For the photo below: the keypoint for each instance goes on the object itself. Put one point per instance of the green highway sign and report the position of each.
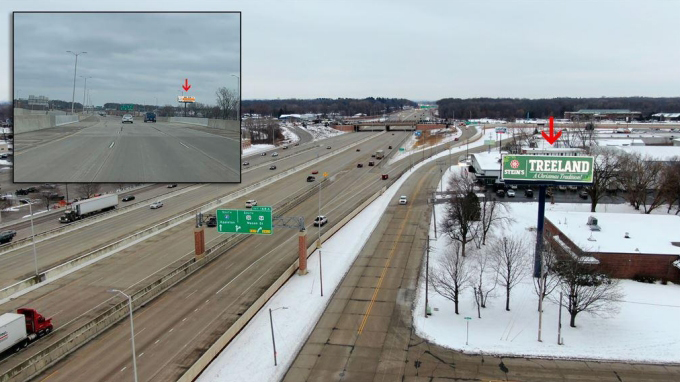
(547, 169)
(127, 107)
(401, 149)
(489, 142)
(257, 220)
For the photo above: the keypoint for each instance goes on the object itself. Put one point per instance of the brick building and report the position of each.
(624, 245)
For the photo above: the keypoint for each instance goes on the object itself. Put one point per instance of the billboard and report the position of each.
(186, 99)
(547, 169)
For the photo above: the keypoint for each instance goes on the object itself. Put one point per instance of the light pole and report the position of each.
(318, 243)
(75, 70)
(84, 91)
(35, 253)
(132, 329)
(271, 324)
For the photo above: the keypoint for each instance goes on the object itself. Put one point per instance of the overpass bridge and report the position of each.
(391, 126)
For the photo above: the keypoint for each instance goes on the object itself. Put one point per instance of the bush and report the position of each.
(644, 278)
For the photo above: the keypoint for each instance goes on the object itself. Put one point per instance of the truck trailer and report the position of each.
(84, 208)
(19, 329)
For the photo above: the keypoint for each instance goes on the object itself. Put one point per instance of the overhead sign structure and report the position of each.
(186, 99)
(127, 107)
(257, 220)
(547, 169)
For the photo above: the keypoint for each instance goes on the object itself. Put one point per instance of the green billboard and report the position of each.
(547, 169)
(257, 220)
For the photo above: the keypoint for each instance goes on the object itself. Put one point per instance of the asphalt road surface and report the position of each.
(112, 152)
(366, 332)
(174, 328)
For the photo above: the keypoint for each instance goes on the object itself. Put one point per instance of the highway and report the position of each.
(80, 296)
(366, 332)
(112, 152)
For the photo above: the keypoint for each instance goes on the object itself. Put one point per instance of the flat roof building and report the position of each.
(600, 114)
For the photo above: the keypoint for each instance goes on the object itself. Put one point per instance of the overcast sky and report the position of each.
(131, 57)
(421, 50)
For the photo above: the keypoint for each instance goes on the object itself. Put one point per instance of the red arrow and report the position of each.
(552, 137)
(186, 85)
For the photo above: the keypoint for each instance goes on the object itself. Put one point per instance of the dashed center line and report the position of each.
(112, 143)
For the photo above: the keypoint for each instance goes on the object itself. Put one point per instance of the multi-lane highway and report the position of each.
(110, 151)
(229, 284)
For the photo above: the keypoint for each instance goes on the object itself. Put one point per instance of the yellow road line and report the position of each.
(48, 377)
(389, 259)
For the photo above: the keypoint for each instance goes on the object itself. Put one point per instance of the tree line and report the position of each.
(325, 106)
(511, 108)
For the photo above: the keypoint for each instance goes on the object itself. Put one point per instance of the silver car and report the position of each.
(127, 118)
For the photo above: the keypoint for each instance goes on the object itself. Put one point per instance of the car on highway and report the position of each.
(315, 172)
(263, 154)
(358, 150)
(389, 147)
(360, 165)
(371, 163)
(285, 147)
(384, 176)
(320, 221)
(251, 203)
(172, 185)
(156, 205)
(275, 154)
(511, 193)
(7, 236)
(128, 198)
(211, 220)
(372, 155)
(246, 163)
(296, 144)
(127, 118)
(402, 199)
(150, 117)
(272, 167)
(311, 178)
(529, 193)
(455, 139)
(328, 147)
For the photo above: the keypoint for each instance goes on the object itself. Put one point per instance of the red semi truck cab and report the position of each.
(36, 323)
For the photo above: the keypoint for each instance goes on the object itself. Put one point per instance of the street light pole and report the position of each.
(84, 90)
(35, 254)
(238, 94)
(75, 70)
(132, 329)
(271, 324)
(319, 244)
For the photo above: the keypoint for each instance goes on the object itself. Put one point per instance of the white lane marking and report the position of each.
(136, 334)
(170, 331)
(123, 368)
(157, 341)
(184, 319)
(184, 145)
(189, 295)
(140, 356)
(207, 301)
(112, 143)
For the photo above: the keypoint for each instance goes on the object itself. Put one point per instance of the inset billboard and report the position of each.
(547, 169)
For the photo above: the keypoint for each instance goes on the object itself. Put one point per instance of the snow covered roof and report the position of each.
(667, 115)
(648, 234)
(488, 161)
(581, 259)
(620, 142)
(663, 153)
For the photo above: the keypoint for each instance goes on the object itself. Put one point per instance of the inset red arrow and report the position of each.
(186, 85)
(552, 138)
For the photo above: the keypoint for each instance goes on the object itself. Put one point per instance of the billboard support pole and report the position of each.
(539, 231)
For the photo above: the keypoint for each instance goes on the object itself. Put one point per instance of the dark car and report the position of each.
(358, 149)
(21, 191)
(501, 192)
(328, 147)
(583, 194)
(311, 178)
(150, 117)
(371, 163)
(211, 221)
(172, 185)
(263, 154)
(246, 163)
(128, 198)
(272, 167)
(360, 165)
(389, 147)
(7, 236)
(529, 193)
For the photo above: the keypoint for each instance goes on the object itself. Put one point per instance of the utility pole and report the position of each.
(559, 325)
(75, 70)
(318, 243)
(84, 91)
(427, 276)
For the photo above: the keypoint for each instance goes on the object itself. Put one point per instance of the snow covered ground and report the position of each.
(289, 134)
(250, 356)
(256, 149)
(319, 131)
(643, 330)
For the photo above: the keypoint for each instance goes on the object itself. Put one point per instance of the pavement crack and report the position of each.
(617, 376)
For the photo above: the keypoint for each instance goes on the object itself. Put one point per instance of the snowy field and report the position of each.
(250, 356)
(319, 131)
(645, 329)
(289, 134)
(256, 149)
(410, 149)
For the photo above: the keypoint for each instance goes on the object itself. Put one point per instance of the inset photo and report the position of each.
(127, 97)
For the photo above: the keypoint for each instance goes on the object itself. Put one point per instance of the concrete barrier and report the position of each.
(31, 122)
(60, 120)
(224, 124)
(189, 120)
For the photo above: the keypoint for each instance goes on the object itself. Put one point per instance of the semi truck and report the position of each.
(19, 329)
(380, 154)
(87, 207)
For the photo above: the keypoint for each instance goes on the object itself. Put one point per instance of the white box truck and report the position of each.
(84, 208)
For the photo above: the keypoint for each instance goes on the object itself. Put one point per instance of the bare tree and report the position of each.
(549, 280)
(586, 289)
(462, 212)
(491, 214)
(483, 278)
(451, 276)
(606, 167)
(642, 176)
(510, 263)
(88, 190)
(227, 101)
(670, 184)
